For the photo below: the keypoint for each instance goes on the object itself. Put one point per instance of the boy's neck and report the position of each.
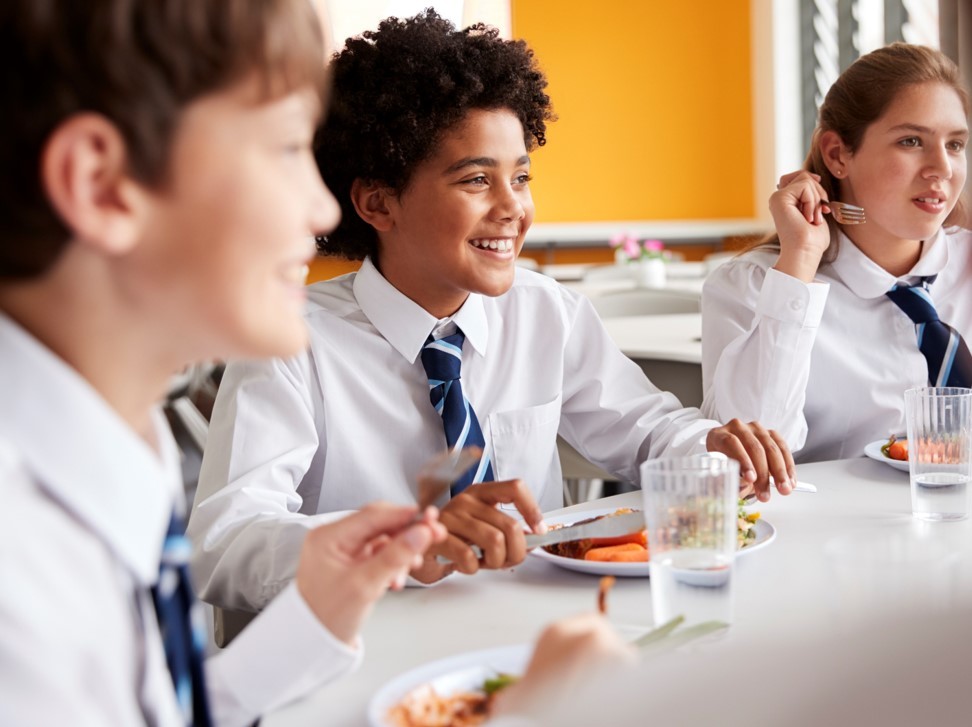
(104, 341)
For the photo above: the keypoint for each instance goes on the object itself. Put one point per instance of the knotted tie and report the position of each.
(949, 360)
(182, 625)
(442, 359)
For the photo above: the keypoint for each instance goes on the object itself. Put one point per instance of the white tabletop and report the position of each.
(673, 337)
(784, 585)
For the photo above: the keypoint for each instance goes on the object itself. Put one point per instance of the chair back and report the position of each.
(646, 301)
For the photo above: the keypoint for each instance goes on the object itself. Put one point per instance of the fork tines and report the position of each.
(847, 214)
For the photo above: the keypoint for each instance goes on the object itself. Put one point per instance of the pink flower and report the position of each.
(631, 248)
(617, 240)
(654, 245)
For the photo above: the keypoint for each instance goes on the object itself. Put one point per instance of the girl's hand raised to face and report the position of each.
(798, 209)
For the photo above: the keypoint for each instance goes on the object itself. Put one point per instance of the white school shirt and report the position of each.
(350, 421)
(827, 363)
(84, 508)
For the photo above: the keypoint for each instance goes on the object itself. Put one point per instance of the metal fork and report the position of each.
(847, 214)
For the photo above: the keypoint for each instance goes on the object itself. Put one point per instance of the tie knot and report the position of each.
(915, 301)
(442, 358)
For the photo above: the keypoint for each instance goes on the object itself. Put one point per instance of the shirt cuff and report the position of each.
(282, 656)
(787, 299)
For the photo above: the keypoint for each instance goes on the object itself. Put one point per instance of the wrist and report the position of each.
(799, 264)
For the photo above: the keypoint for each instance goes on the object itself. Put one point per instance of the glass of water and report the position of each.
(939, 451)
(691, 506)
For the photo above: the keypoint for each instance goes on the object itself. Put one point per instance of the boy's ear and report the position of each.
(371, 203)
(835, 153)
(84, 174)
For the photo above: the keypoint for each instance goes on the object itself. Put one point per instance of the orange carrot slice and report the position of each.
(624, 553)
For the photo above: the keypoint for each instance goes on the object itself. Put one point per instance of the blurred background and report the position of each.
(676, 119)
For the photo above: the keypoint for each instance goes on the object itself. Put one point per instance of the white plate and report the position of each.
(765, 533)
(873, 450)
(461, 673)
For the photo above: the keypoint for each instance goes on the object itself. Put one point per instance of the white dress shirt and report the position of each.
(827, 363)
(86, 504)
(351, 422)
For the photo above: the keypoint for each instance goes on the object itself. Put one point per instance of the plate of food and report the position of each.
(456, 691)
(621, 556)
(892, 451)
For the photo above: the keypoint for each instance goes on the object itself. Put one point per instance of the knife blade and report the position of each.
(607, 526)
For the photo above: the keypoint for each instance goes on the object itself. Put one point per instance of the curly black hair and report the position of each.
(398, 89)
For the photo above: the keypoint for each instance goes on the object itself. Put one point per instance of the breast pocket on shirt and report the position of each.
(524, 443)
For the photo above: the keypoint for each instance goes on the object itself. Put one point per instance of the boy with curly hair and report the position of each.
(158, 194)
(428, 150)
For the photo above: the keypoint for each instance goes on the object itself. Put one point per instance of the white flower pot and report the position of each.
(649, 273)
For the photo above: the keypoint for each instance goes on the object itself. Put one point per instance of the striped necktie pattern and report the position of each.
(442, 359)
(182, 624)
(948, 357)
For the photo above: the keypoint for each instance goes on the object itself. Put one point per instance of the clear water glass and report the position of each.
(939, 423)
(690, 507)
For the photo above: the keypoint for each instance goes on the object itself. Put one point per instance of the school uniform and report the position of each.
(86, 505)
(294, 442)
(827, 363)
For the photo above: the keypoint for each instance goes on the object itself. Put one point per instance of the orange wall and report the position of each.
(653, 100)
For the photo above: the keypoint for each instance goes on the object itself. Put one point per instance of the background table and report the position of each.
(784, 585)
(667, 347)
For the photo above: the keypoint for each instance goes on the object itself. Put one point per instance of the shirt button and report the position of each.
(796, 304)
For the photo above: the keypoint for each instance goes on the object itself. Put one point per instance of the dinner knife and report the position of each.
(607, 526)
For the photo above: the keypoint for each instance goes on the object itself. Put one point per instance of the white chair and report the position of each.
(583, 480)
(646, 301)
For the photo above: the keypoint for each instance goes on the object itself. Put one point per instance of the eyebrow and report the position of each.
(482, 162)
(925, 129)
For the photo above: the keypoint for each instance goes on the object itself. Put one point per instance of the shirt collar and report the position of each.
(83, 455)
(404, 323)
(867, 279)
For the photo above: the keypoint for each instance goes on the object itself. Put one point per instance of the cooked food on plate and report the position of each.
(896, 449)
(633, 548)
(424, 707)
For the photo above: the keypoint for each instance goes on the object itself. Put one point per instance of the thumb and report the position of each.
(371, 522)
(398, 555)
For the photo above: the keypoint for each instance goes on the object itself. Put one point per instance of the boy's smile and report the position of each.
(460, 222)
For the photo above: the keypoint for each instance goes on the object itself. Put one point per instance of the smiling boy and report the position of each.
(158, 193)
(432, 131)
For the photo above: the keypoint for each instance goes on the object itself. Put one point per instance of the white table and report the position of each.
(672, 337)
(785, 585)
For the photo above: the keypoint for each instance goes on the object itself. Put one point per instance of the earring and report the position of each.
(839, 173)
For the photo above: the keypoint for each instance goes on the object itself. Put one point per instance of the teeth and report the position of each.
(931, 200)
(500, 245)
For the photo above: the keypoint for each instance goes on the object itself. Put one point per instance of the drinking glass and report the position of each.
(939, 451)
(691, 506)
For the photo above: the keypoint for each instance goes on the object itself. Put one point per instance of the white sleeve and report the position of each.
(248, 521)
(611, 413)
(283, 655)
(758, 330)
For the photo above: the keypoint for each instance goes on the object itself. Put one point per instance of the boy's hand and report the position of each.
(568, 654)
(346, 566)
(472, 518)
(761, 454)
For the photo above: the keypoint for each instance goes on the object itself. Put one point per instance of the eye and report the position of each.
(478, 181)
(956, 146)
(522, 179)
(910, 142)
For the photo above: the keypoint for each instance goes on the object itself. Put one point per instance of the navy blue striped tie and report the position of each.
(949, 360)
(181, 621)
(442, 359)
